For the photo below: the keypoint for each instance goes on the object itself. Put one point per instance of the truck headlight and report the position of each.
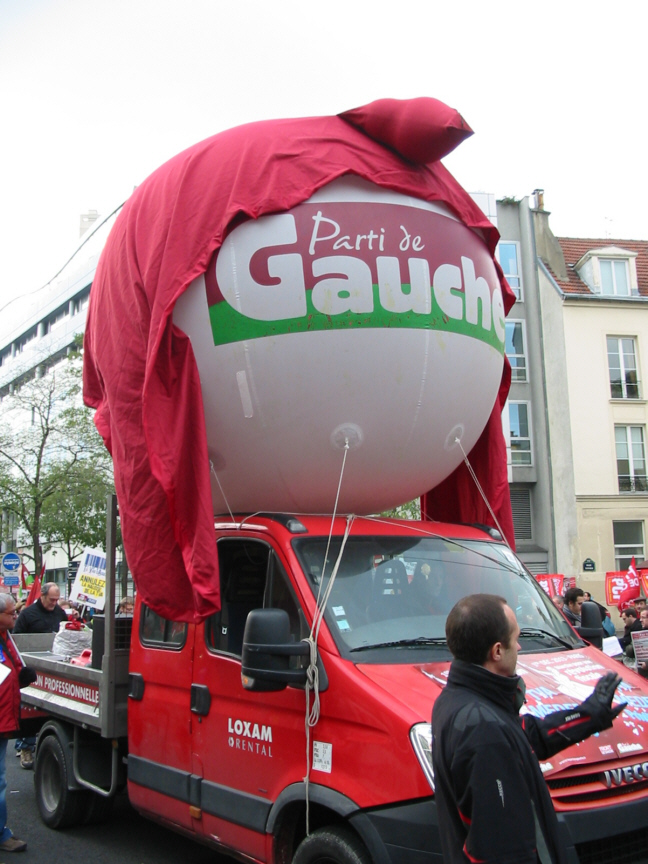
(421, 738)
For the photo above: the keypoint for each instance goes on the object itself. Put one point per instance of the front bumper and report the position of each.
(409, 833)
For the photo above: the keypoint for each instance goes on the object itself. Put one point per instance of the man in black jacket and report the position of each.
(493, 803)
(573, 604)
(631, 624)
(43, 616)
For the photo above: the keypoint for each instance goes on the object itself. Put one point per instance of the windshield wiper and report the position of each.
(536, 631)
(404, 643)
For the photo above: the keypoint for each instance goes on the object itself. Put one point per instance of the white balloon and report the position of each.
(363, 327)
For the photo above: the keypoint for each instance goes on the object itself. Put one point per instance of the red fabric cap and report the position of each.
(422, 130)
(139, 369)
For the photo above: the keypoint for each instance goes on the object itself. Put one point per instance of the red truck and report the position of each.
(305, 316)
(214, 732)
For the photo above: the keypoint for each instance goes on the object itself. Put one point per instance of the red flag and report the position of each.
(558, 584)
(633, 587)
(35, 590)
(24, 576)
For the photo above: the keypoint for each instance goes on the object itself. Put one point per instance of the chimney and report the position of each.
(547, 246)
(86, 221)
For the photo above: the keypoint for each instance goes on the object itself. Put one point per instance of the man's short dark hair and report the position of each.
(631, 611)
(474, 625)
(572, 595)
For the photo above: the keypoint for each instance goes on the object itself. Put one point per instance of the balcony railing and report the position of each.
(628, 389)
(636, 483)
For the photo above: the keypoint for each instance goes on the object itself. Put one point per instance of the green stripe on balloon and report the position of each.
(230, 326)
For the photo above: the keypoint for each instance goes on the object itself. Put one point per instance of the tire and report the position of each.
(333, 845)
(59, 807)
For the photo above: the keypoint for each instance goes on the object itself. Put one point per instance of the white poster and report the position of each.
(89, 587)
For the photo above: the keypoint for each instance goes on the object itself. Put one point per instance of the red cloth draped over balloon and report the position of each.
(140, 373)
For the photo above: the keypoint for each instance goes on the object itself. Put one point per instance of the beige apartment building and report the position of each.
(578, 413)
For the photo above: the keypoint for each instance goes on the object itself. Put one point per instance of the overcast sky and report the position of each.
(95, 94)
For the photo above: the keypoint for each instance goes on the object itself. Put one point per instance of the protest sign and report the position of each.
(89, 586)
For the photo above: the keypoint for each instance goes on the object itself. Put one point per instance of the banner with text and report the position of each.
(552, 583)
(616, 582)
(89, 587)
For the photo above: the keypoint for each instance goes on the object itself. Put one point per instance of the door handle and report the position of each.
(200, 699)
(135, 686)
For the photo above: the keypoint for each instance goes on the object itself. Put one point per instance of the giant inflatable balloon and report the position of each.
(287, 310)
(361, 320)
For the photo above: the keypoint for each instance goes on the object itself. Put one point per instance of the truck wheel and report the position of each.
(59, 806)
(333, 845)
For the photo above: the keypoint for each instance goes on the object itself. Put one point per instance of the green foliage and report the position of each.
(411, 510)
(53, 465)
(75, 517)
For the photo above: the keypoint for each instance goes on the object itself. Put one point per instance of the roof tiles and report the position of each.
(575, 247)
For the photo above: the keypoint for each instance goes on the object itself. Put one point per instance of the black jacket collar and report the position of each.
(500, 689)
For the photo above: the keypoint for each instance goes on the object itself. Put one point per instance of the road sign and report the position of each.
(10, 563)
(10, 581)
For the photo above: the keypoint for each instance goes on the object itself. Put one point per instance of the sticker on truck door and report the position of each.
(322, 756)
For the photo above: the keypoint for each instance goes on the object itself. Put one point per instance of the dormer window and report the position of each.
(609, 271)
(614, 277)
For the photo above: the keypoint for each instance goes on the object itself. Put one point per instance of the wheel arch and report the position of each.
(327, 807)
(93, 757)
(64, 733)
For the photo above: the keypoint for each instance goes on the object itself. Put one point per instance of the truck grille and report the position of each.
(580, 787)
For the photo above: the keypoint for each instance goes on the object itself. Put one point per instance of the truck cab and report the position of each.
(244, 736)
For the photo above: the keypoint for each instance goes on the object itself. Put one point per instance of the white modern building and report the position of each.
(41, 332)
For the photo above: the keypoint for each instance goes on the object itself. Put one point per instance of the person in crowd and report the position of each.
(631, 624)
(572, 606)
(559, 601)
(640, 604)
(43, 616)
(606, 621)
(126, 606)
(17, 676)
(70, 611)
(428, 590)
(493, 803)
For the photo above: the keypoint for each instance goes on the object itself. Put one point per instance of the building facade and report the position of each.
(38, 336)
(577, 339)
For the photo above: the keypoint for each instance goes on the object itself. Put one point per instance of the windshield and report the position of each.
(395, 593)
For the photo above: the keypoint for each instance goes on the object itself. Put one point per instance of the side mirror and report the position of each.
(267, 649)
(591, 627)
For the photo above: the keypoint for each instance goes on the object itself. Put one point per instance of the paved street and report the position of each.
(126, 837)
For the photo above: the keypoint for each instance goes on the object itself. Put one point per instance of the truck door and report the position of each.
(246, 746)
(159, 719)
